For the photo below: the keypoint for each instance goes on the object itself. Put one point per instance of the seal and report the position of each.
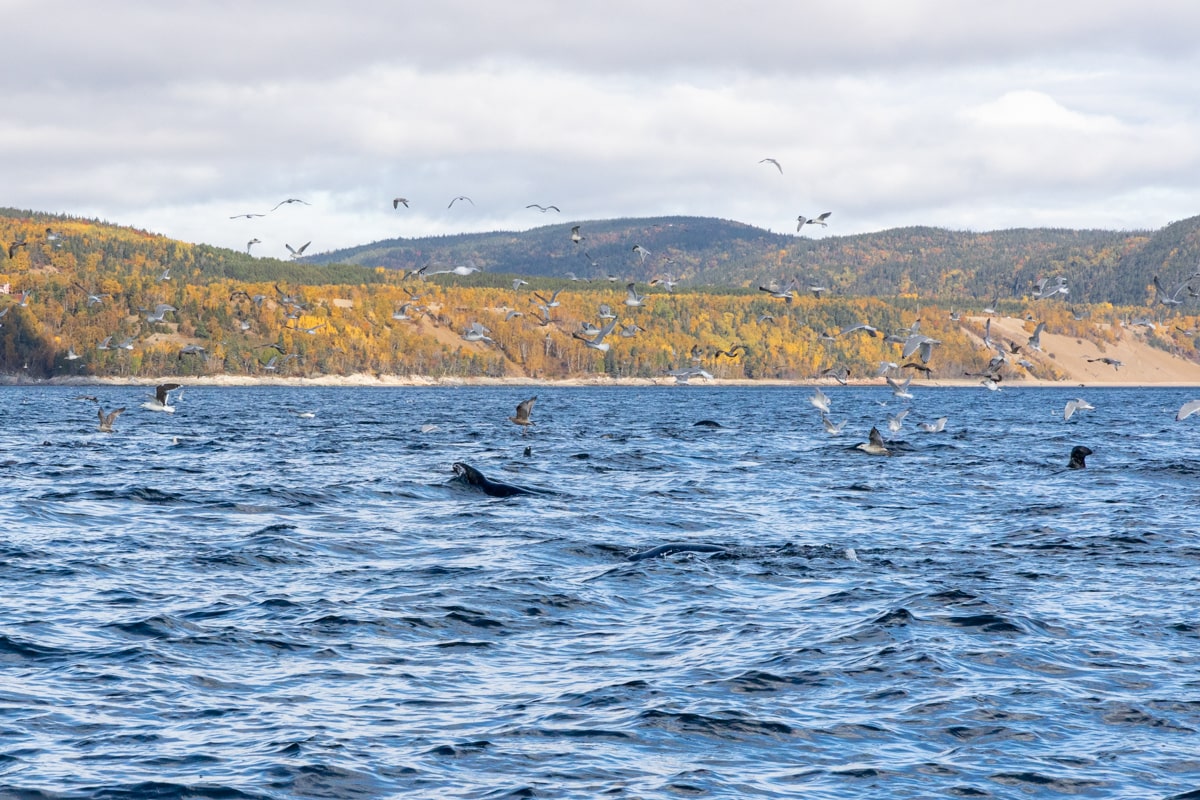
(1078, 454)
(473, 477)
(676, 547)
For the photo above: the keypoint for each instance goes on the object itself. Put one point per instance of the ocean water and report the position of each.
(237, 602)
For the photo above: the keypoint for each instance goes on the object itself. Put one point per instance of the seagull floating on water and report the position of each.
(874, 444)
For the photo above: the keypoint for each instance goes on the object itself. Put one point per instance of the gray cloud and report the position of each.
(960, 114)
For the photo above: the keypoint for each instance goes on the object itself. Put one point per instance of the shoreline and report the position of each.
(363, 380)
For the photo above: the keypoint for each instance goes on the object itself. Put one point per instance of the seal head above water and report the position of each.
(1078, 454)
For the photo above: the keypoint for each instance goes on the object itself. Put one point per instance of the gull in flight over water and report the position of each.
(1079, 404)
(106, 420)
(524, 409)
(820, 400)
(772, 161)
(162, 397)
(937, 426)
(1187, 409)
(831, 427)
(874, 444)
(543, 209)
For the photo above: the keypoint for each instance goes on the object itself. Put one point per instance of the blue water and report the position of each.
(234, 602)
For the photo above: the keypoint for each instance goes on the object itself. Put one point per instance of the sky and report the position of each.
(963, 114)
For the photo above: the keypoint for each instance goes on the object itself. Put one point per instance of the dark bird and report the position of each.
(524, 409)
(543, 209)
(576, 237)
(733, 352)
(772, 161)
(1112, 362)
(12, 248)
(400, 201)
(461, 197)
(1078, 454)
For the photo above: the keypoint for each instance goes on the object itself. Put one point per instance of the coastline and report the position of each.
(363, 380)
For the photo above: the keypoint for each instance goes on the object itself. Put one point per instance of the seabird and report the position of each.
(543, 209)
(1035, 341)
(106, 420)
(1112, 362)
(461, 197)
(290, 200)
(772, 161)
(161, 398)
(1078, 454)
(831, 427)
(524, 408)
(399, 201)
(820, 400)
(576, 237)
(477, 333)
(159, 311)
(632, 298)
(251, 243)
(597, 342)
(1079, 404)
(641, 251)
(297, 251)
(900, 389)
(874, 444)
(896, 421)
(1187, 409)
(247, 216)
(937, 426)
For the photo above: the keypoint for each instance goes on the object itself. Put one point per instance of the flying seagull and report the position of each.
(597, 342)
(106, 420)
(543, 209)
(820, 400)
(461, 197)
(1187, 409)
(297, 251)
(162, 398)
(1112, 362)
(641, 251)
(874, 444)
(290, 200)
(251, 243)
(576, 236)
(772, 161)
(247, 216)
(632, 298)
(802, 220)
(399, 201)
(1078, 404)
(524, 408)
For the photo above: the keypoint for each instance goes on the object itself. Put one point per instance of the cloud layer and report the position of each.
(958, 114)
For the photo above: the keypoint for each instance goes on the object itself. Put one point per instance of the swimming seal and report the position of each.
(1078, 454)
(676, 547)
(473, 477)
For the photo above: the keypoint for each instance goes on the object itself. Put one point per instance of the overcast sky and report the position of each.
(955, 113)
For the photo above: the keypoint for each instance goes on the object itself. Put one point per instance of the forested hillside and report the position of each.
(958, 267)
(88, 298)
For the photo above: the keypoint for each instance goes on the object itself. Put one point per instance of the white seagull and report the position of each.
(161, 401)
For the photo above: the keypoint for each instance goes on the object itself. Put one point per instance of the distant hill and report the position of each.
(954, 266)
(87, 298)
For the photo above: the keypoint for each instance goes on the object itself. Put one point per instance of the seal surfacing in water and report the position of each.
(676, 547)
(474, 477)
(1078, 454)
